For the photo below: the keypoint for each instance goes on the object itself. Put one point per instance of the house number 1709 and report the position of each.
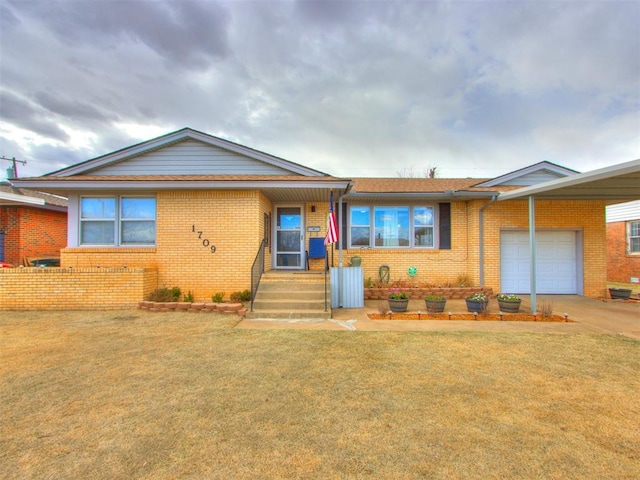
(205, 241)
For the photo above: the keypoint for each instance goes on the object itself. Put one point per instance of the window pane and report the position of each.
(423, 216)
(392, 226)
(98, 208)
(423, 226)
(138, 233)
(360, 236)
(288, 241)
(97, 233)
(424, 237)
(138, 208)
(360, 216)
(635, 229)
(289, 218)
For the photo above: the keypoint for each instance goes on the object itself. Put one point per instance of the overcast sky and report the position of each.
(368, 88)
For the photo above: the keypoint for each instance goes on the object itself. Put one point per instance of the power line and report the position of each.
(12, 172)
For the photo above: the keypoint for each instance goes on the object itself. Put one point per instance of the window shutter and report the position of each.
(445, 226)
(345, 211)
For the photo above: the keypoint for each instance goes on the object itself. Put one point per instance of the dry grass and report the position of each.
(170, 395)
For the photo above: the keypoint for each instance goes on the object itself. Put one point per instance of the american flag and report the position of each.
(332, 226)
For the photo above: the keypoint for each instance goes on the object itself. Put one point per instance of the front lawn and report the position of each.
(177, 395)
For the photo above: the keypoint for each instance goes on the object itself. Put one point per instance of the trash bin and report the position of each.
(356, 261)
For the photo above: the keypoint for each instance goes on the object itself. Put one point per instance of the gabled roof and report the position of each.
(168, 139)
(10, 195)
(619, 182)
(530, 175)
(388, 189)
(408, 185)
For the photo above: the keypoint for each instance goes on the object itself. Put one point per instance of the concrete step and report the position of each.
(299, 294)
(289, 314)
(295, 277)
(291, 287)
(285, 304)
(292, 296)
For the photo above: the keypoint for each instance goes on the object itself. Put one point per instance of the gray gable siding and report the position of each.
(533, 178)
(191, 157)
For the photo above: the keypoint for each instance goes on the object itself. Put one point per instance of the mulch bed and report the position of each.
(506, 317)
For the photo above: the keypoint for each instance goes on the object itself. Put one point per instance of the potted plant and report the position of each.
(398, 301)
(477, 302)
(509, 303)
(435, 303)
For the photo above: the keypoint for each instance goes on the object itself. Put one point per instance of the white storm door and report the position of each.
(289, 235)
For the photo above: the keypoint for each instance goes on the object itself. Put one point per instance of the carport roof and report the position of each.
(619, 183)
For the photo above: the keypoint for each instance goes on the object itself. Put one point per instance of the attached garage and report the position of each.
(558, 263)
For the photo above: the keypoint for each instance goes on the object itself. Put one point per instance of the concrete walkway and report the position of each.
(612, 317)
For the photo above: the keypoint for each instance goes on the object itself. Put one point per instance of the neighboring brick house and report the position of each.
(623, 242)
(194, 209)
(32, 224)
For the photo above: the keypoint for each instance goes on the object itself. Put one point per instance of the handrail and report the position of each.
(326, 267)
(257, 269)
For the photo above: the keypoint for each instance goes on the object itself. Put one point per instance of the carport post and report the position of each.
(532, 247)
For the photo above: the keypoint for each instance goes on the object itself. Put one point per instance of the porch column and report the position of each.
(532, 247)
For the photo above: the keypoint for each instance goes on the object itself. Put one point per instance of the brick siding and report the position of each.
(233, 222)
(32, 232)
(438, 267)
(621, 266)
(69, 288)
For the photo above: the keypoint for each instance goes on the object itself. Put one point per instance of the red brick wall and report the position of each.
(620, 265)
(32, 232)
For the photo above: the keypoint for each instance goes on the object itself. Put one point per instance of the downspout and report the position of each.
(340, 233)
(481, 233)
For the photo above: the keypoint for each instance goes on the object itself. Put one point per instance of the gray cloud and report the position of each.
(25, 115)
(350, 88)
(187, 33)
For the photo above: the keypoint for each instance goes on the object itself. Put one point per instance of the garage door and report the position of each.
(556, 257)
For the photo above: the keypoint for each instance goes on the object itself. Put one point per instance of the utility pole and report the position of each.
(12, 172)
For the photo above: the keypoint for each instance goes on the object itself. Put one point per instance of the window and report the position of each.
(360, 226)
(423, 226)
(393, 226)
(633, 236)
(122, 221)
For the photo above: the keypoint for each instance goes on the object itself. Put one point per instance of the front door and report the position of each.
(289, 235)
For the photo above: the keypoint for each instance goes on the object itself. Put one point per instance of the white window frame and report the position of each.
(412, 226)
(118, 220)
(630, 237)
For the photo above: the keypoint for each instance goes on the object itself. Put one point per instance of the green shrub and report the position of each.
(176, 293)
(164, 294)
(218, 297)
(188, 297)
(243, 296)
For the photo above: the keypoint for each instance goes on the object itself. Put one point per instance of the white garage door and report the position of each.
(556, 258)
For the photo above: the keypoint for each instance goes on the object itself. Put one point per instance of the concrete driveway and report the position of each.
(612, 317)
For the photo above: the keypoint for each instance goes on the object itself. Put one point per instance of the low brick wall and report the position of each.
(75, 288)
(417, 293)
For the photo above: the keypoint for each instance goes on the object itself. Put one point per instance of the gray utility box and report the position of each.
(352, 287)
